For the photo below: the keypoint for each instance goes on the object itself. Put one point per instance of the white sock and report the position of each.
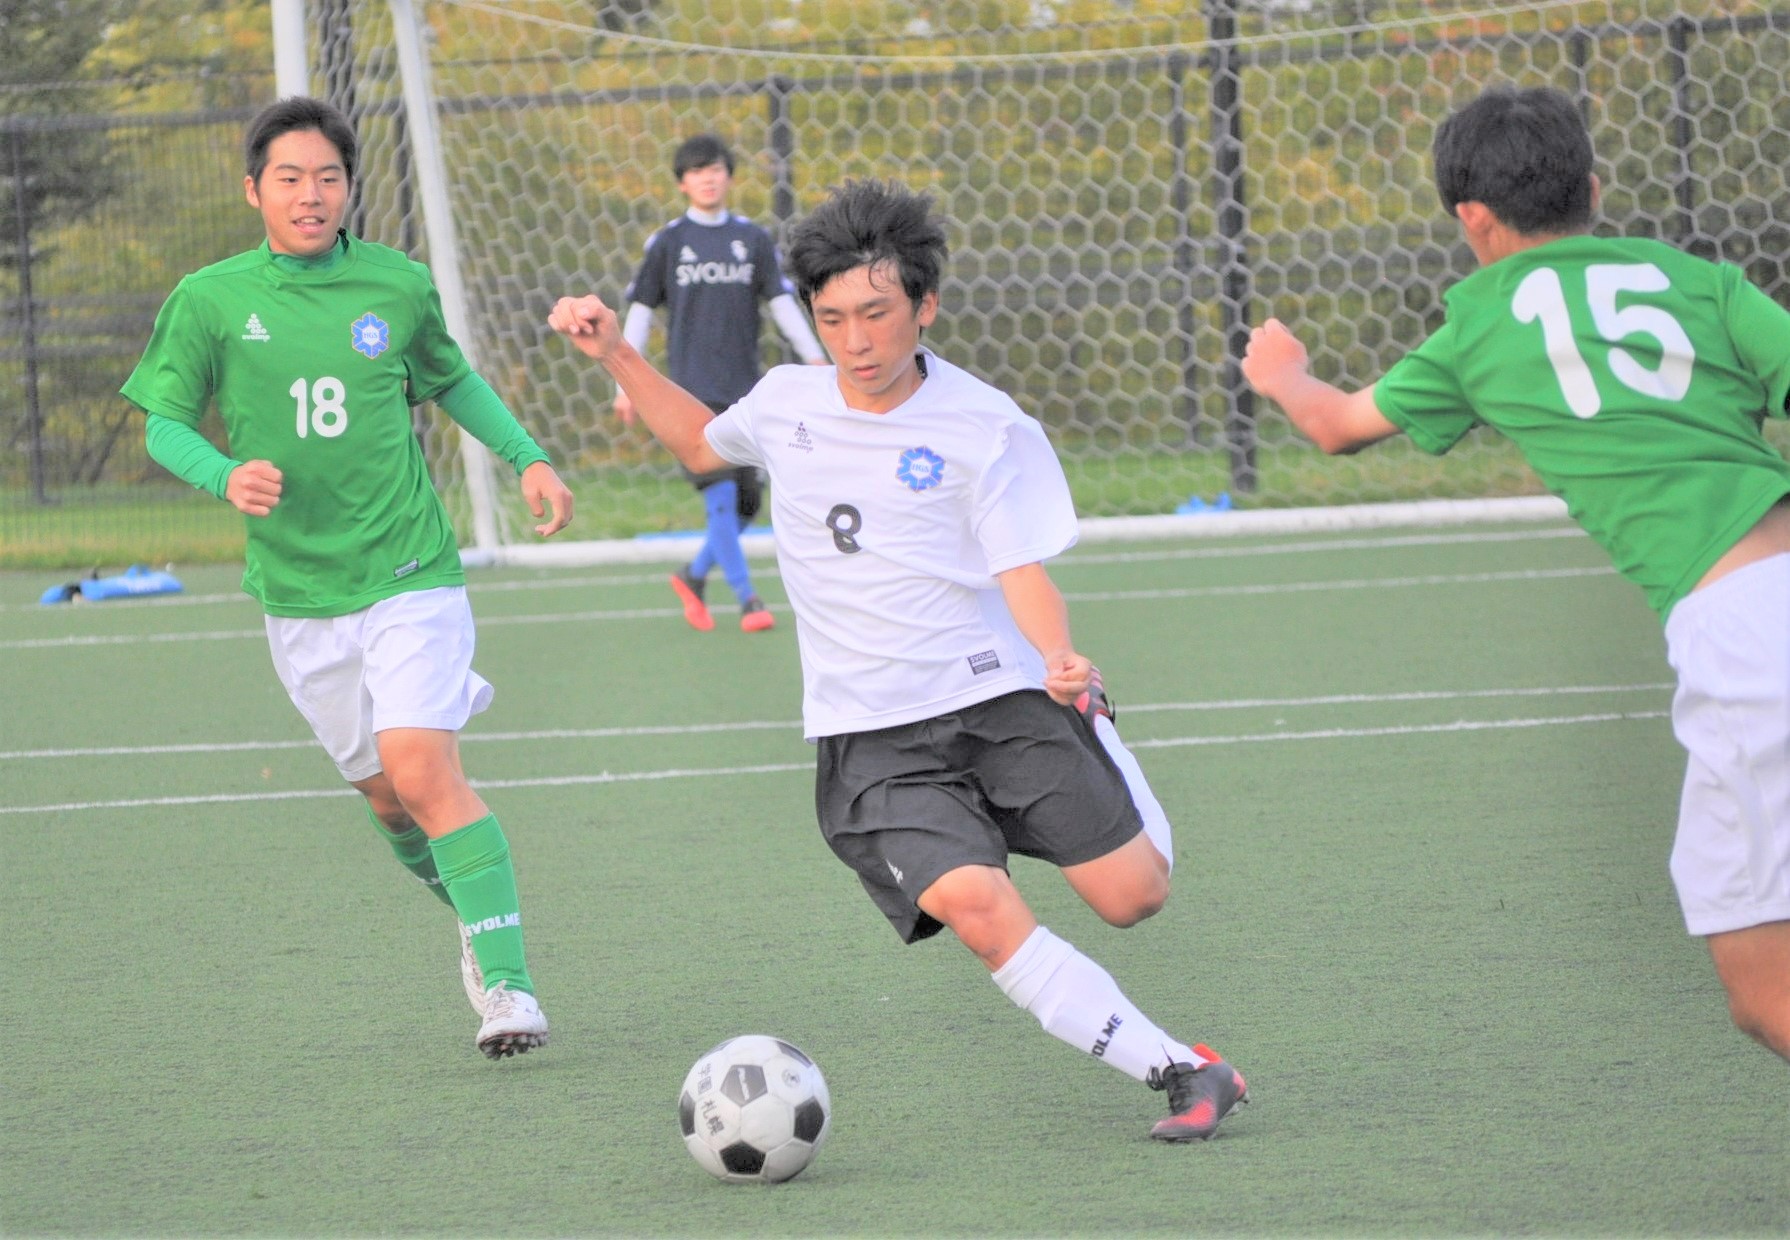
(1156, 824)
(1078, 1001)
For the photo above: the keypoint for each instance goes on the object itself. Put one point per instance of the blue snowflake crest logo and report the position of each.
(920, 469)
(371, 336)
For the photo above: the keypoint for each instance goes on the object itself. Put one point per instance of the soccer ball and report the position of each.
(754, 1109)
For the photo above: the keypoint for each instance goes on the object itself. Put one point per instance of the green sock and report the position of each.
(474, 863)
(412, 849)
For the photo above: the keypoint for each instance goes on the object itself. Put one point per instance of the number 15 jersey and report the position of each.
(1633, 377)
(314, 366)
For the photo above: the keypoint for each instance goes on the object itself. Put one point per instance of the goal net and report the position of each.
(1130, 184)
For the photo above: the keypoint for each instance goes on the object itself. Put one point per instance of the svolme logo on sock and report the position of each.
(1106, 1036)
(506, 922)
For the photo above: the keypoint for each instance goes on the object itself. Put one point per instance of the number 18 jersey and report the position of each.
(314, 366)
(1633, 377)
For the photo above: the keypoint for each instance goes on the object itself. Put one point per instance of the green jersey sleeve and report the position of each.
(1423, 396)
(176, 376)
(1761, 332)
(433, 363)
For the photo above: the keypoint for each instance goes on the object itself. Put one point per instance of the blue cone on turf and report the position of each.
(1196, 504)
(131, 583)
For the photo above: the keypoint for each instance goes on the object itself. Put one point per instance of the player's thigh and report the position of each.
(892, 811)
(321, 664)
(419, 648)
(1048, 781)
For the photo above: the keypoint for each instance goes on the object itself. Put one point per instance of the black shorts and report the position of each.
(904, 806)
(750, 482)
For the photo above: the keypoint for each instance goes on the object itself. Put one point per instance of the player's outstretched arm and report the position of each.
(1043, 619)
(547, 497)
(675, 417)
(1276, 365)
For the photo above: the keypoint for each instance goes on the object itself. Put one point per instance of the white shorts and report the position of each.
(404, 662)
(1730, 645)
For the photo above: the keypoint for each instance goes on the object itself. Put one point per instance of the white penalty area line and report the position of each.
(607, 777)
(794, 726)
(1101, 596)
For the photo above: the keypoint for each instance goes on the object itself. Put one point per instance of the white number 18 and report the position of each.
(1540, 296)
(322, 411)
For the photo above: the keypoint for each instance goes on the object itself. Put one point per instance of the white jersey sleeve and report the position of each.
(1023, 513)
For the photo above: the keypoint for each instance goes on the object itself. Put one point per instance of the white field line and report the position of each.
(1099, 596)
(565, 581)
(608, 777)
(794, 726)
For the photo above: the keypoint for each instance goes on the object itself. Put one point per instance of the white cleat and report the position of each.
(471, 977)
(514, 1023)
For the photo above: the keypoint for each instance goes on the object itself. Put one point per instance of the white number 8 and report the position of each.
(323, 412)
(1540, 296)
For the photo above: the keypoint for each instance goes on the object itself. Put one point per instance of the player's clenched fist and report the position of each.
(1273, 352)
(587, 323)
(254, 488)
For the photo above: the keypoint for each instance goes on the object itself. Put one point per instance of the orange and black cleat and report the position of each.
(1199, 1096)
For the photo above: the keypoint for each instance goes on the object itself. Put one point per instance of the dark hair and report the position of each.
(292, 115)
(1523, 153)
(699, 152)
(863, 224)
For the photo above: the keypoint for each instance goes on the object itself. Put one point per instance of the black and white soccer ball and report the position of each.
(754, 1109)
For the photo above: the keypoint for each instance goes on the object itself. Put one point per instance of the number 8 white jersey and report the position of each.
(890, 529)
(1634, 379)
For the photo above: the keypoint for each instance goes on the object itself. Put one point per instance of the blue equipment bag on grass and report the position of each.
(133, 581)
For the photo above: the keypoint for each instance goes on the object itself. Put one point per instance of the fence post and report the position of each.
(782, 136)
(1578, 50)
(28, 317)
(1678, 63)
(1233, 256)
(1181, 203)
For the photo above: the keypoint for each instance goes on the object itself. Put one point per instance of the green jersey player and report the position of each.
(314, 347)
(1635, 380)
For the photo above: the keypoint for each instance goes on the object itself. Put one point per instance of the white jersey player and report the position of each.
(955, 722)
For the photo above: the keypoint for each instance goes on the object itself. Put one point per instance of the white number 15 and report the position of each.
(1540, 296)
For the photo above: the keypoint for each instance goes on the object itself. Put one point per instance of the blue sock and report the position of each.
(722, 546)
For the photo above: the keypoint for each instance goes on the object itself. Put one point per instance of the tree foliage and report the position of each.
(50, 173)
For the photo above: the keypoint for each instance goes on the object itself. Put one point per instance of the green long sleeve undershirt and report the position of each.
(191, 457)
(187, 454)
(473, 404)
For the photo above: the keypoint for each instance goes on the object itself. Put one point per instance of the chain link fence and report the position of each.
(1130, 185)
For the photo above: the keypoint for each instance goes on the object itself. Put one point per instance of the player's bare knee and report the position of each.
(1130, 907)
(384, 805)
